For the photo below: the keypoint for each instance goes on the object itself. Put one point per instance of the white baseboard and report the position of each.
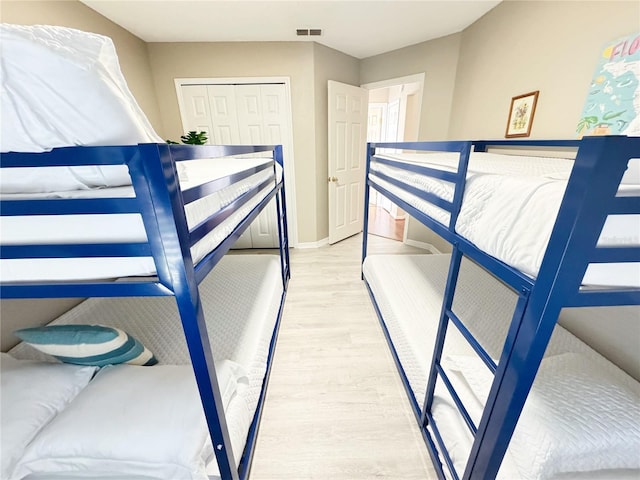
(319, 243)
(423, 245)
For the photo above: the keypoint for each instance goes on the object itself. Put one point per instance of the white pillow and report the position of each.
(131, 420)
(576, 418)
(63, 87)
(31, 394)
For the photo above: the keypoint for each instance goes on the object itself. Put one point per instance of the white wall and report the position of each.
(523, 46)
(518, 47)
(132, 52)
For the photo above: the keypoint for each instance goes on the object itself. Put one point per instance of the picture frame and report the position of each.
(521, 112)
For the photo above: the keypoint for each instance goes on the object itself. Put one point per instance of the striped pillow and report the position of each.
(87, 345)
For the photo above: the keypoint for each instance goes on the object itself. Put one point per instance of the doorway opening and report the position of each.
(393, 116)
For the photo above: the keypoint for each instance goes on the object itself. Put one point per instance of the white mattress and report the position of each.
(409, 289)
(240, 298)
(57, 229)
(509, 208)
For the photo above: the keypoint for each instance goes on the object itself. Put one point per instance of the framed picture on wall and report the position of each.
(523, 107)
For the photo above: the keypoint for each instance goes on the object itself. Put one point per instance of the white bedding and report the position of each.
(240, 302)
(408, 291)
(510, 205)
(63, 87)
(115, 228)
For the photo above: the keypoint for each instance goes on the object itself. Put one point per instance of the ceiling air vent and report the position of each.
(314, 32)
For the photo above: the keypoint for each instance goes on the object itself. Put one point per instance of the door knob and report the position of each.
(332, 179)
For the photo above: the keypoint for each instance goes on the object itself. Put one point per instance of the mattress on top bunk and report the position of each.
(510, 205)
(408, 290)
(241, 300)
(58, 229)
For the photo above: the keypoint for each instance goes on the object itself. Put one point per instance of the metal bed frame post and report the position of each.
(371, 151)
(283, 229)
(244, 466)
(177, 273)
(592, 190)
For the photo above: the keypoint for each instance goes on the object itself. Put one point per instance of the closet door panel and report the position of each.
(250, 122)
(224, 116)
(198, 113)
(273, 113)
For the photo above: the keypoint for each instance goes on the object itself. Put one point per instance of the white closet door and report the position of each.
(224, 116)
(197, 114)
(241, 114)
(261, 121)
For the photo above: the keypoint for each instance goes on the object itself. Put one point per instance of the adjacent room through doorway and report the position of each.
(393, 116)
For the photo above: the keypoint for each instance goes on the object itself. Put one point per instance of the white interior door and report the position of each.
(347, 141)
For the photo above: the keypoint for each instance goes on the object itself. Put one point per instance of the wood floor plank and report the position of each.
(335, 407)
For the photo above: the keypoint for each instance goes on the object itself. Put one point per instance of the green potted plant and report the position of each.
(192, 138)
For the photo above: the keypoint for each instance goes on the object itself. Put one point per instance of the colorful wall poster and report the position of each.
(613, 101)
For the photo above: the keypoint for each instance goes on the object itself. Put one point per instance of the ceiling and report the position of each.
(359, 28)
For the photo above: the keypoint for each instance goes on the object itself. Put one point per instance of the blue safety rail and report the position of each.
(160, 202)
(590, 196)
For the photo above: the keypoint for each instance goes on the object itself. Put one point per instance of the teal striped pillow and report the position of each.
(87, 345)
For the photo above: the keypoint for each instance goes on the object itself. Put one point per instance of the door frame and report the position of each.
(289, 169)
(415, 78)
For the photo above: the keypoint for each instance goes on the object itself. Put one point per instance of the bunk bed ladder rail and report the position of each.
(592, 188)
(437, 371)
(572, 247)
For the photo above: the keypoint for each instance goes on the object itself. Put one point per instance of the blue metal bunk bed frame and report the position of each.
(160, 202)
(589, 198)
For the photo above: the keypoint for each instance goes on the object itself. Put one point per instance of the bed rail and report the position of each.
(590, 197)
(160, 202)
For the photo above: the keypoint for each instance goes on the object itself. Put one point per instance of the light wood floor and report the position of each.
(381, 223)
(335, 406)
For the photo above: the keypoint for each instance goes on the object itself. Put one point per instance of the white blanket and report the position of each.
(509, 208)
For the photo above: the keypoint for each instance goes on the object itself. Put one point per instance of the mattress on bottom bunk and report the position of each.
(241, 300)
(408, 290)
(510, 205)
(60, 229)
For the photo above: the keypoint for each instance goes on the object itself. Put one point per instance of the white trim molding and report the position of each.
(318, 244)
(423, 245)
